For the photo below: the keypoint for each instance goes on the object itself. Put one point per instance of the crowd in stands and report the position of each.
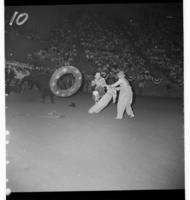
(148, 49)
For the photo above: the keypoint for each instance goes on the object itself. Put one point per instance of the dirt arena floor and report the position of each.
(61, 147)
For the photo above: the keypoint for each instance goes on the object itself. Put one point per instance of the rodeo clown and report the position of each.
(125, 96)
(100, 84)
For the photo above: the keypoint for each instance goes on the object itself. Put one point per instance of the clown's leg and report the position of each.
(96, 96)
(96, 99)
(129, 110)
(121, 106)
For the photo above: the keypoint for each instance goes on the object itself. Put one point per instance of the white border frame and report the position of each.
(186, 14)
(2, 106)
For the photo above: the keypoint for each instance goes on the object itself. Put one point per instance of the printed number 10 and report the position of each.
(20, 19)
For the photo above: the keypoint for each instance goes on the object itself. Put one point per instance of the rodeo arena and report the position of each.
(94, 100)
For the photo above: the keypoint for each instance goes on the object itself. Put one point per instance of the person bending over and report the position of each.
(125, 96)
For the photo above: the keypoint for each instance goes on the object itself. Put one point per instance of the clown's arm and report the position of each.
(116, 83)
(118, 88)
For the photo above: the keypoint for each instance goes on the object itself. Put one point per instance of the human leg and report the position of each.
(129, 110)
(121, 106)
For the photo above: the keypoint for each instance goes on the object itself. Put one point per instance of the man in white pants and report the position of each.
(125, 96)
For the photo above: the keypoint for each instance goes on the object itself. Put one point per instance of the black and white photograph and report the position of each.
(94, 97)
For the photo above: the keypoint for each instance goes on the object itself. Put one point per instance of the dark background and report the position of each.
(43, 17)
